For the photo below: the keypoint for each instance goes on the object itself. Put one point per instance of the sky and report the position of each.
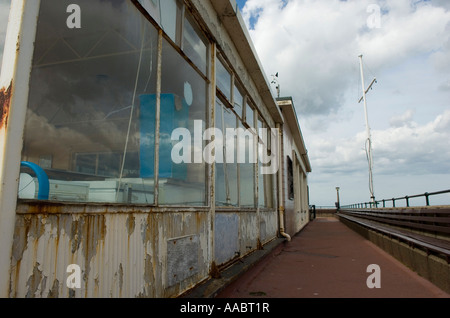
(314, 46)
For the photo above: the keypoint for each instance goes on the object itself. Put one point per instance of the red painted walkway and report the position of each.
(329, 260)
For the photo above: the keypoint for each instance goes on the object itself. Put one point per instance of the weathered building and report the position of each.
(118, 153)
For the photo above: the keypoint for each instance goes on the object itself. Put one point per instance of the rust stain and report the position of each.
(131, 224)
(214, 271)
(5, 103)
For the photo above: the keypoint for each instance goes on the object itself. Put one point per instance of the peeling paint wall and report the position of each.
(120, 254)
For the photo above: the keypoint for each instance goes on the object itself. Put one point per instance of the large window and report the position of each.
(83, 122)
(183, 106)
(91, 120)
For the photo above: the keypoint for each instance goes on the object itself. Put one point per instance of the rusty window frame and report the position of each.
(178, 43)
(206, 77)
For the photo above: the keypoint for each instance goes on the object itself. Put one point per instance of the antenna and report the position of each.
(369, 139)
(275, 81)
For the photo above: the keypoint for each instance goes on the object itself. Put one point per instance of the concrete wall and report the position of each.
(431, 267)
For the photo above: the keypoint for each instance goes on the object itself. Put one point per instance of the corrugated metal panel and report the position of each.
(120, 254)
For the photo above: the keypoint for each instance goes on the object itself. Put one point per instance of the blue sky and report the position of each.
(241, 3)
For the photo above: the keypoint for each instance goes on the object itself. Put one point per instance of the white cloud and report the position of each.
(404, 119)
(402, 149)
(321, 40)
(415, 149)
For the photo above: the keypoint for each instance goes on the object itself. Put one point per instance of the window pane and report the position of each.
(249, 116)
(238, 101)
(4, 13)
(223, 78)
(226, 170)
(84, 107)
(183, 105)
(167, 13)
(195, 45)
(86, 163)
(265, 181)
(290, 179)
(247, 171)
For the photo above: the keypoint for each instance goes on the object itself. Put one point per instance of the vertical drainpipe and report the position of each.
(14, 89)
(280, 183)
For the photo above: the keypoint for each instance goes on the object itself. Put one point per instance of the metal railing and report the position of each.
(382, 203)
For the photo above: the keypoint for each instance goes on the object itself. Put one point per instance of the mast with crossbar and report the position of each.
(369, 139)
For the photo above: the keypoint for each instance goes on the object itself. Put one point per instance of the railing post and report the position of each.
(384, 203)
(407, 201)
(393, 202)
(427, 198)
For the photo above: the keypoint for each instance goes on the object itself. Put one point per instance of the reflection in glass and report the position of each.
(249, 116)
(183, 101)
(167, 13)
(247, 171)
(238, 101)
(226, 170)
(223, 78)
(194, 44)
(84, 105)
